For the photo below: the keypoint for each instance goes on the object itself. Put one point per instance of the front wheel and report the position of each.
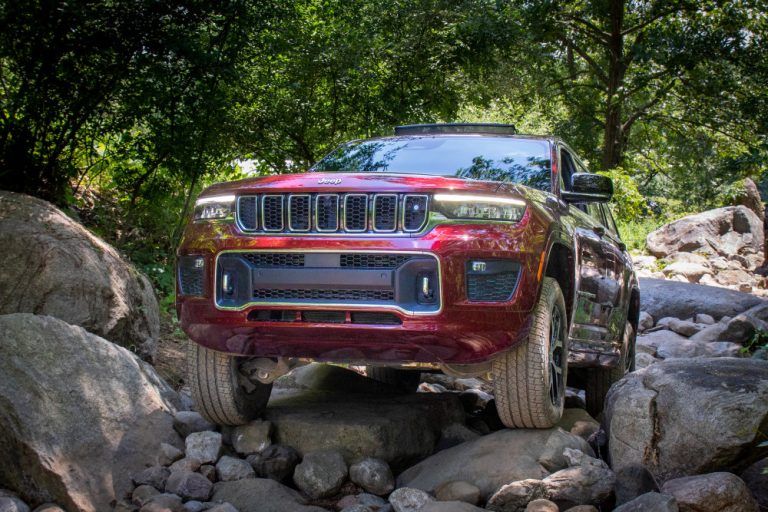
(529, 380)
(221, 394)
(600, 380)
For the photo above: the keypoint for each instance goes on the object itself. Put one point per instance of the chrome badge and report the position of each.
(329, 181)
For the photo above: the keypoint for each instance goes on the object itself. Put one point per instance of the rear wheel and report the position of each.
(529, 380)
(600, 380)
(404, 381)
(221, 393)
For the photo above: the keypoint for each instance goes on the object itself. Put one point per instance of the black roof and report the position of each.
(444, 128)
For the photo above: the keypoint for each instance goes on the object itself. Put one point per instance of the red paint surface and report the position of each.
(463, 332)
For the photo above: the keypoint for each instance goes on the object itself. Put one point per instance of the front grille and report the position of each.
(331, 295)
(323, 317)
(274, 259)
(372, 260)
(375, 318)
(191, 275)
(332, 213)
(491, 287)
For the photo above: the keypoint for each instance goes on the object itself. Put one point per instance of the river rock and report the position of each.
(714, 492)
(188, 485)
(586, 481)
(189, 422)
(105, 413)
(12, 504)
(650, 502)
(321, 473)
(756, 478)
(662, 297)
(407, 499)
(396, 429)
(229, 469)
(488, 462)
(204, 446)
(70, 274)
(251, 438)
(651, 412)
(261, 495)
(373, 475)
(515, 496)
(733, 230)
(458, 491)
(275, 461)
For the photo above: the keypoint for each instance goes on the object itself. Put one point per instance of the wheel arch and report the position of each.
(561, 267)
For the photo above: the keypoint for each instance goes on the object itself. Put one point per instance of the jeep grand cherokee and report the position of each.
(460, 248)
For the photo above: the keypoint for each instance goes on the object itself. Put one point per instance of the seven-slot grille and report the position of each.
(332, 213)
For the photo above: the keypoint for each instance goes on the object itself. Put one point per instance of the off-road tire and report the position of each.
(521, 376)
(217, 390)
(599, 380)
(395, 379)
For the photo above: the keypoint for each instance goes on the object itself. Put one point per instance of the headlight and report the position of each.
(460, 206)
(214, 207)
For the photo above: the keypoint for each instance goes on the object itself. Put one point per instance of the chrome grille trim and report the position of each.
(308, 219)
(348, 212)
(321, 213)
(264, 201)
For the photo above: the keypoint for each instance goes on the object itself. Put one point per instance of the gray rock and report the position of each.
(644, 322)
(710, 333)
(685, 327)
(714, 492)
(721, 232)
(194, 506)
(650, 502)
(756, 479)
(488, 462)
(449, 506)
(223, 507)
(542, 505)
(670, 349)
(652, 341)
(705, 319)
(154, 476)
(633, 481)
(587, 481)
(455, 433)
(123, 506)
(185, 464)
(276, 462)
(741, 328)
(49, 507)
(229, 469)
(723, 349)
(106, 412)
(168, 454)
(582, 508)
(71, 274)
(650, 414)
(373, 475)
(553, 457)
(188, 485)
(458, 491)
(208, 472)
(189, 422)
(662, 297)
(320, 473)
(643, 360)
(397, 429)
(261, 495)
(251, 438)
(12, 504)
(515, 496)
(407, 499)
(163, 503)
(142, 494)
(204, 446)
(364, 501)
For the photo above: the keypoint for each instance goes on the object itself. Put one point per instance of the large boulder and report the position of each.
(398, 429)
(78, 415)
(52, 265)
(683, 417)
(491, 461)
(261, 495)
(662, 298)
(715, 492)
(726, 232)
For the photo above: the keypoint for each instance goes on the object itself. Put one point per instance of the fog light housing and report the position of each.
(491, 280)
(191, 275)
(425, 288)
(227, 283)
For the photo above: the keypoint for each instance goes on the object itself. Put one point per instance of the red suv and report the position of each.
(461, 248)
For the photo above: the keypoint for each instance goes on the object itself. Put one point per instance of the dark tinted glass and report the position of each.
(505, 159)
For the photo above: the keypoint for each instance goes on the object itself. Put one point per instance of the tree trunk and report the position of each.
(613, 136)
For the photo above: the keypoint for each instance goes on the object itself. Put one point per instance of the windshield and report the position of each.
(506, 159)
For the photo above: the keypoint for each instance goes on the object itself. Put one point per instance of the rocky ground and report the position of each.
(89, 426)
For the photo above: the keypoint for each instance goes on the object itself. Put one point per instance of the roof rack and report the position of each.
(425, 129)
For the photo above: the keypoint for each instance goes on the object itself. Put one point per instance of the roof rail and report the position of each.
(426, 129)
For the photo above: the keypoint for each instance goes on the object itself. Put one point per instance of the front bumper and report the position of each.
(452, 330)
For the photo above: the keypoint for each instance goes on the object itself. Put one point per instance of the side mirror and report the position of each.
(588, 188)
